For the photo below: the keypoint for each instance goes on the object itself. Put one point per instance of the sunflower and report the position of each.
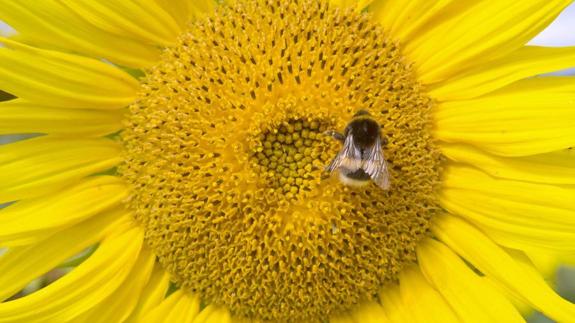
(178, 151)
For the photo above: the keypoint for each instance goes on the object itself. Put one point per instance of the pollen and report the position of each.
(225, 153)
(284, 155)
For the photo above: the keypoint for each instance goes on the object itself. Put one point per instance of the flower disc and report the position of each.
(225, 152)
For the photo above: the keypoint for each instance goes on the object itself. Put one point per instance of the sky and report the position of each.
(561, 32)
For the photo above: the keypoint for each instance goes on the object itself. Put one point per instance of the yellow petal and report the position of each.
(468, 295)
(184, 11)
(153, 293)
(81, 289)
(487, 257)
(393, 305)
(522, 307)
(119, 305)
(532, 116)
(551, 168)
(480, 31)
(19, 116)
(516, 214)
(40, 165)
(546, 267)
(213, 314)
(404, 19)
(370, 312)
(29, 221)
(63, 80)
(181, 306)
(21, 265)
(51, 24)
(205, 314)
(186, 309)
(546, 262)
(525, 62)
(424, 302)
(142, 20)
(160, 312)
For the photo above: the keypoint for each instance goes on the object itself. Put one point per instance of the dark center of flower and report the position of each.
(287, 153)
(225, 153)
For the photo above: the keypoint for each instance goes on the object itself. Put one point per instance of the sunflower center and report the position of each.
(225, 152)
(283, 155)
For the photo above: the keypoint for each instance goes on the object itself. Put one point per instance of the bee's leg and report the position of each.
(335, 135)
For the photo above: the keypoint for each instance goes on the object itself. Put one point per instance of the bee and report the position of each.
(361, 157)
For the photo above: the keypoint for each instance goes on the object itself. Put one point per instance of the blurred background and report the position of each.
(560, 33)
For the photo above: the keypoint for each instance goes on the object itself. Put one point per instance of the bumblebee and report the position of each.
(361, 158)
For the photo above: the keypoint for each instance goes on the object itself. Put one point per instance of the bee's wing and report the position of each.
(349, 157)
(375, 166)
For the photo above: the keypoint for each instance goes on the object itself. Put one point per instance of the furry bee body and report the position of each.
(361, 158)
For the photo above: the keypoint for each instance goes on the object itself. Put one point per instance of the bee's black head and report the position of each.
(365, 132)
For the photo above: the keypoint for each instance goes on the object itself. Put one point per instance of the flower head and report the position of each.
(187, 140)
